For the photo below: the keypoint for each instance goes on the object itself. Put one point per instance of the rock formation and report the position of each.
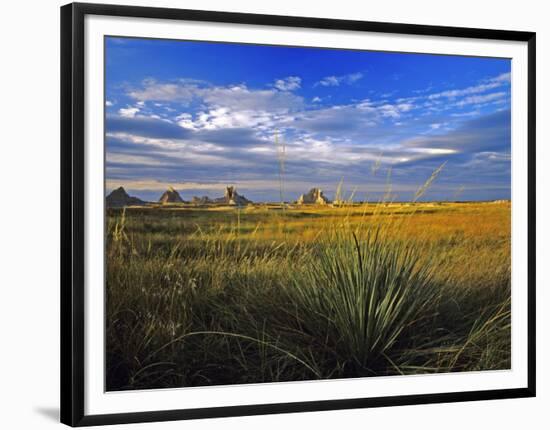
(231, 197)
(314, 196)
(170, 196)
(119, 198)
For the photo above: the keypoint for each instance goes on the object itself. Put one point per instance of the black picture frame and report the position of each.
(72, 212)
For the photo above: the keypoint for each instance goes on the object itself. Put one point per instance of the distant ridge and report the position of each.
(170, 196)
(119, 198)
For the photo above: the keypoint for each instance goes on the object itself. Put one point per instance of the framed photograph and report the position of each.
(269, 214)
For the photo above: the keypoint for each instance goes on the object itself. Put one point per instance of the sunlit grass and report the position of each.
(202, 296)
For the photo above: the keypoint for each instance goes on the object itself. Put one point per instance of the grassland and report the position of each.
(223, 295)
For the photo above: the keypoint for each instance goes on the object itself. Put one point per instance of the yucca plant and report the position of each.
(364, 290)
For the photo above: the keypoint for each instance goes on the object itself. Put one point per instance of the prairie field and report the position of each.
(218, 295)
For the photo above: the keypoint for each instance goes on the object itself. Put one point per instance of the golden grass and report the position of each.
(207, 295)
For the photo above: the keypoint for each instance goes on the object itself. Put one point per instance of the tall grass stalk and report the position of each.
(281, 157)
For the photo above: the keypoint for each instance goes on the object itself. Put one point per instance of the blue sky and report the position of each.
(199, 116)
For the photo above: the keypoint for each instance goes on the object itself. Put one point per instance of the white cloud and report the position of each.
(465, 114)
(169, 152)
(108, 103)
(288, 84)
(168, 92)
(351, 78)
(465, 91)
(484, 86)
(329, 81)
(478, 99)
(130, 159)
(394, 110)
(249, 117)
(434, 151)
(129, 112)
(334, 81)
(223, 117)
(234, 97)
(233, 106)
(241, 98)
(185, 120)
(504, 77)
